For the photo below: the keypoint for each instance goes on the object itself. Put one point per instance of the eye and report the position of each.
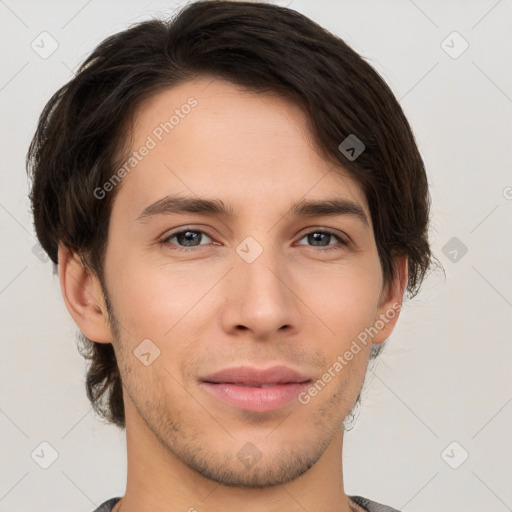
(321, 238)
(185, 238)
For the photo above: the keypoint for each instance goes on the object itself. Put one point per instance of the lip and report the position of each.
(241, 387)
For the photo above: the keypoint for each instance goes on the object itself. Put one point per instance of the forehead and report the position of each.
(208, 137)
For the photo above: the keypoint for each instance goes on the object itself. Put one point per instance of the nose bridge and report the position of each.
(260, 266)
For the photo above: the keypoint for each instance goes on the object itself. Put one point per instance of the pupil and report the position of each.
(317, 236)
(190, 236)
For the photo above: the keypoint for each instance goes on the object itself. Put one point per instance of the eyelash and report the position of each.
(165, 241)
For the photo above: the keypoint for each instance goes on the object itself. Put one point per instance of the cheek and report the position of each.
(151, 299)
(344, 298)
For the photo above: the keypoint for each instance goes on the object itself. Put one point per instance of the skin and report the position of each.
(208, 309)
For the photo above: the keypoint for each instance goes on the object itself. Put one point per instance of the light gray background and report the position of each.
(445, 374)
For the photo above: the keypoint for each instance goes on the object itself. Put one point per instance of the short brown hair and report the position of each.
(82, 133)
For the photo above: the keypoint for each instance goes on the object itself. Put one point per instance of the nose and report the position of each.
(260, 298)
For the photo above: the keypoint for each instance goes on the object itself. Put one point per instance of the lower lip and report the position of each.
(255, 399)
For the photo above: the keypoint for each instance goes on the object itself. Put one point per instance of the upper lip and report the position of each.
(255, 377)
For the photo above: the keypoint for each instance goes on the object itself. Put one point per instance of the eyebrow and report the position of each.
(303, 208)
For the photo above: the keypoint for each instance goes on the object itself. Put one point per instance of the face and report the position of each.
(258, 285)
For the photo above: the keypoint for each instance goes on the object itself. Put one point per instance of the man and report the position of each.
(236, 206)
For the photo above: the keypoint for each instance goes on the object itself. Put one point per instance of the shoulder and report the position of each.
(107, 505)
(371, 506)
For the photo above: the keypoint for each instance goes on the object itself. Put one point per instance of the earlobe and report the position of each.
(83, 296)
(391, 301)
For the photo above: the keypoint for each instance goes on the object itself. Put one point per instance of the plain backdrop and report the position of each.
(433, 432)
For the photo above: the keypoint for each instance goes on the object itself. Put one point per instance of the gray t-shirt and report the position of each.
(370, 506)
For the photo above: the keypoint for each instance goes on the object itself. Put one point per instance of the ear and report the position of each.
(83, 296)
(391, 301)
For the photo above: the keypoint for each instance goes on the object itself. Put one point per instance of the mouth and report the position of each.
(256, 390)
(247, 385)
